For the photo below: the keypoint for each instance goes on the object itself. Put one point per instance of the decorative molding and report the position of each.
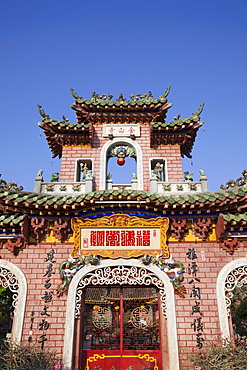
(230, 245)
(120, 275)
(62, 229)
(9, 280)
(14, 245)
(231, 275)
(13, 278)
(121, 222)
(178, 228)
(39, 228)
(89, 270)
(103, 160)
(202, 228)
(236, 278)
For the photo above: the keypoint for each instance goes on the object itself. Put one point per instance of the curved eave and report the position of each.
(58, 136)
(62, 126)
(225, 201)
(188, 124)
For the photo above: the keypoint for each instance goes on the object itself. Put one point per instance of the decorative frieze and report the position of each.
(178, 228)
(39, 229)
(202, 228)
(62, 229)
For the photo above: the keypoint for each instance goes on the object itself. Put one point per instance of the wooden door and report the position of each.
(121, 328)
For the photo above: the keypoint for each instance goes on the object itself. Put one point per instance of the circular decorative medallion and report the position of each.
(139, 317)
(102, 317)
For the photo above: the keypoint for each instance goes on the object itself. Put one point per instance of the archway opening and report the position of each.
(6, 313)
(121, 174)
(238, 311)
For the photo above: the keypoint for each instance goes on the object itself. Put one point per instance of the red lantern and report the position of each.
(120, 161)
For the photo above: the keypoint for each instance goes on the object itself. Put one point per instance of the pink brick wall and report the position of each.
(207, 273)
(32, 261)
(171, 153)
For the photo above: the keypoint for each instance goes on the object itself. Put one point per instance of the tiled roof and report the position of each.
(180, 132)
(181, 124)
(60, 133)
(11, 219)
(222, 201)
(237, 217)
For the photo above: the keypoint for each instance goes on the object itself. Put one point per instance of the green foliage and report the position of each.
(5, 304)
(222, 354)
(239, 310)
(23, 356)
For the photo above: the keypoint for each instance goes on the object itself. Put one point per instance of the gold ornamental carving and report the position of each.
(120, 236)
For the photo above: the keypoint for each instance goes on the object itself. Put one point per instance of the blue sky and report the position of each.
(198, 47)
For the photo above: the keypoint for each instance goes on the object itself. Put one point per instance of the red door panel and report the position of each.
(121, 329)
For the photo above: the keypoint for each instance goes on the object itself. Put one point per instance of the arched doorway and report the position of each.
(104, 156)
(12, 278)
(233, 275)
(121, 276)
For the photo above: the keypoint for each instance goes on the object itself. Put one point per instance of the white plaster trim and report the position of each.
(170, 311)
(103, 160)
(220, 293)
(21, 300)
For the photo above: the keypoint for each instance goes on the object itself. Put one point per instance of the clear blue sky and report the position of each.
(198, 47)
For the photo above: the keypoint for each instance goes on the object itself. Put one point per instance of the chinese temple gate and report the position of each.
(122, 275)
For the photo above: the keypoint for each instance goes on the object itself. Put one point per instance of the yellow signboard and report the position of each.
(120, 236)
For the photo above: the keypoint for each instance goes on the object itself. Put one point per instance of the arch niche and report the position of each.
(233, 274)
(104, 160)
(127, 271)
(13, 278)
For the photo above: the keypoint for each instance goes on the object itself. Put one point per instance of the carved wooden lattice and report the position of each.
(230, 245)
(202, 228)
(236, 278)
(39, 229)
(62, 229)
(119, 276)
(14, 245)
(9, 280)
(179, 228)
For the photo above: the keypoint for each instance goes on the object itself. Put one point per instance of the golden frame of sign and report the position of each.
(120, 235)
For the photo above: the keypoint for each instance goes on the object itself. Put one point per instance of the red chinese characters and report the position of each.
(120, 238)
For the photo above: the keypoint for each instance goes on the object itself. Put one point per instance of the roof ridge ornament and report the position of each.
(42, 112)
(9, 186)
(164, 95)
(75, 95)
(199, 110)
(241, 181)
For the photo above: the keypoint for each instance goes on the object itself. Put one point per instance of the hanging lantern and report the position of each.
(120, 161)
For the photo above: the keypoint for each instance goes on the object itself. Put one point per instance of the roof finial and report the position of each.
(42, 112)
(76, 96)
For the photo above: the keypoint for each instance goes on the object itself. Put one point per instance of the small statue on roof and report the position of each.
(158, 170)
(176, 118)
(40, 173)
(121, 98)
(188, 176)
(84, 171)
(202, 173)
(54, 177)
(65, 119)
